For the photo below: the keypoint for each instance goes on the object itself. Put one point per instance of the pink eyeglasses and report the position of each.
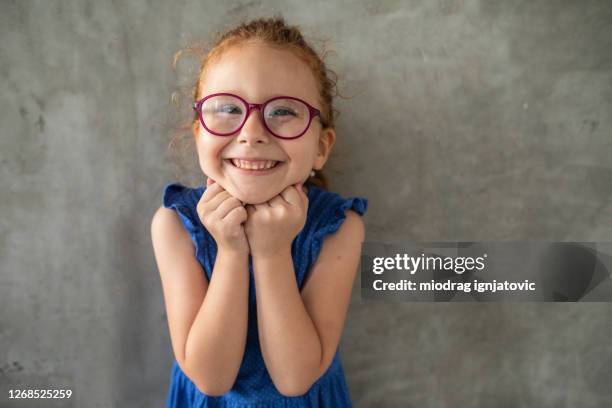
(285, 117)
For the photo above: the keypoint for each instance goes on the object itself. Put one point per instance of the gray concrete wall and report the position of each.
(504, 133)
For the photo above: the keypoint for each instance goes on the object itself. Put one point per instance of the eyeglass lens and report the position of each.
(284, 117)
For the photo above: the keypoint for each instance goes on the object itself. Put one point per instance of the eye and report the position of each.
(283, 112)
(228, 108)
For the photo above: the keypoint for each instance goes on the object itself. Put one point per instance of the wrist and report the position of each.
(233, 252)
(280, 253)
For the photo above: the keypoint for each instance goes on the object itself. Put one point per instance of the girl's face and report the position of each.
(256, 72)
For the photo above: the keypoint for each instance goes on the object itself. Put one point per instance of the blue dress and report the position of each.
(253, 386)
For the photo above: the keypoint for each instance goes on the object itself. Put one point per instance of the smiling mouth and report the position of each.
(254, 165)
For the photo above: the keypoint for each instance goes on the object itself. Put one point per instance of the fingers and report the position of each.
(278, 200)
(237, 215)
(217, 200)
(293, 194)
(211, 191)
(250, 209)
(227, 206)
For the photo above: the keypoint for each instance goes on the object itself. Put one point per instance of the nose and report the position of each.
(253, 130)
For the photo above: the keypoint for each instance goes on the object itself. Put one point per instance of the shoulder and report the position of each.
(353, 226)
(166, 224)
(349, 234)
(184, 201)
(172, 243)
(176, 220)
(334, 224)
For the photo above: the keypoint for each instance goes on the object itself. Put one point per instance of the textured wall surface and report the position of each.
(467, 120)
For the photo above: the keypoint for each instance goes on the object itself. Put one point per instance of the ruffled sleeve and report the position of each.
(327, 212)
(178, 197)
(184, 201)
(336, 214)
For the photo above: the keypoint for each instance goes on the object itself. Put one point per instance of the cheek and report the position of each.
(304, 155)
(210, 152)
(211, 146)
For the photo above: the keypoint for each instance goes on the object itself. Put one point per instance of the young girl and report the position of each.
(257, 267)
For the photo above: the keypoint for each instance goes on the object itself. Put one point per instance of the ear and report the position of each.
(195, 127)
(327, 138)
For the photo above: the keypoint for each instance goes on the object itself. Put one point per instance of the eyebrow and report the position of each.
(236, 92)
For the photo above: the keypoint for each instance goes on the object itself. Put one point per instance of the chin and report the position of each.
(254, 201)
(257, 196)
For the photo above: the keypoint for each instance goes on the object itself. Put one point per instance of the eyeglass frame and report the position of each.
(312, 111)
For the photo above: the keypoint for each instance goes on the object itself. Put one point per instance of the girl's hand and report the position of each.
(272, 226)
(223, 215)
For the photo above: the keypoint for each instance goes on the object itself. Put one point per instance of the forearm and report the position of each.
(215, 345)
(289, 341)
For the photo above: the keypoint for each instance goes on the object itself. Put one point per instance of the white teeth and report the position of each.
(254, 165)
